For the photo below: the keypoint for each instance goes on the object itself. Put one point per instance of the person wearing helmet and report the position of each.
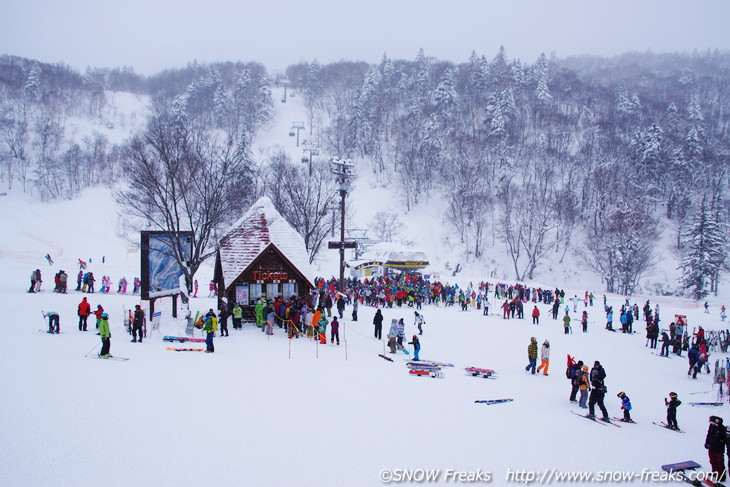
(416, 347)
(672, 404)
(105, 336)
(99, 311)
(625, 406)
(715, 445)
(598, 392)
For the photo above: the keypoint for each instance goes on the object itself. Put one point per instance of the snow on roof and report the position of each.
(385, 251)
(260, 226)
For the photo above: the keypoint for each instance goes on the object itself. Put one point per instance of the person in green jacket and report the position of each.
(237, 315)
(566, 322)
(259, 312)
(322, 329)
(210, 326)
(105, 336)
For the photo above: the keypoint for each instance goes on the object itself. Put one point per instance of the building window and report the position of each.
(255, 290)
(290, 289)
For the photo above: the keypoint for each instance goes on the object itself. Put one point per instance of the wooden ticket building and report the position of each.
(261, 256)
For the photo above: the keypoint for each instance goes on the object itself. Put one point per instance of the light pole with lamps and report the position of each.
(343, 169)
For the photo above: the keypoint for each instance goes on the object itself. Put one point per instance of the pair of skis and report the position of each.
(489, 402)
(597, 421)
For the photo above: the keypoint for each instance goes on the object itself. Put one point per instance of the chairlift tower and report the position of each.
(298, 126)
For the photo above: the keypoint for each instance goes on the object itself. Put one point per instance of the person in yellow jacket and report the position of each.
(210, 326)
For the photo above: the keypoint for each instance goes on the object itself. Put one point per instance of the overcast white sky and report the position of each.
(151, 35)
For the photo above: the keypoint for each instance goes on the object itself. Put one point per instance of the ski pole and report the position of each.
(92, 349)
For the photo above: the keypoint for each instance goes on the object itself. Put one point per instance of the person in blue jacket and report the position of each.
(694, 358)
(625, 406)
(416, 347)
(609, 319)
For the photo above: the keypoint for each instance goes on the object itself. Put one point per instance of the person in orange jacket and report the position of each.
(84, 311)
(314, 325)
(535, 316)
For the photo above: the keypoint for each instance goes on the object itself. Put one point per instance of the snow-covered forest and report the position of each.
(617, 161)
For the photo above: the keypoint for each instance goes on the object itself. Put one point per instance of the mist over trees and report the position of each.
(592, 156)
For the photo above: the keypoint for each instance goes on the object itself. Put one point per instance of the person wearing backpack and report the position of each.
(576, 370)
(581, 379)
(598, 392)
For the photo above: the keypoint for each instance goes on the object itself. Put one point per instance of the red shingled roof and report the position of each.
(261, 226)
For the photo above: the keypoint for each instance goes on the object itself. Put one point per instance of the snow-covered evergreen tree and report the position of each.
(705, 251)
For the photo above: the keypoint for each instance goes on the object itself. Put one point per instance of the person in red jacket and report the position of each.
(535, 316)
(84, 312)
(99, 311)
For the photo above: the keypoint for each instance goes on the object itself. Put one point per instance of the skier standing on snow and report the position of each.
(84, 310)
(378, 322)
(584, 321)
(625, 406)
(715, 444)
(672, 406)
(486, 305)
(105, 336)
(33, 281)
(532, 356)
(210, 327)
(556, 309)
(598, 392)
(416, 347)
(566, 323)
(583, 386)
(419, 321)
(535, 316)
(575, 369)
(99, 311)
(664, 352)
(137, 323)
(544, 357)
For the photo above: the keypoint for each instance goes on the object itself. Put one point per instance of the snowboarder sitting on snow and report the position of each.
(416, 347)
(672, 406)
(625, 406)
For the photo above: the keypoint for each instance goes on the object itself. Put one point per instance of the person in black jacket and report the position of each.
(378, 322)
(715, 444)
(672, 406)
(137, 323)
(598, 391)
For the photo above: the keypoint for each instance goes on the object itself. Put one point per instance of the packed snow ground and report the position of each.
(258, 412)
(270, 411)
